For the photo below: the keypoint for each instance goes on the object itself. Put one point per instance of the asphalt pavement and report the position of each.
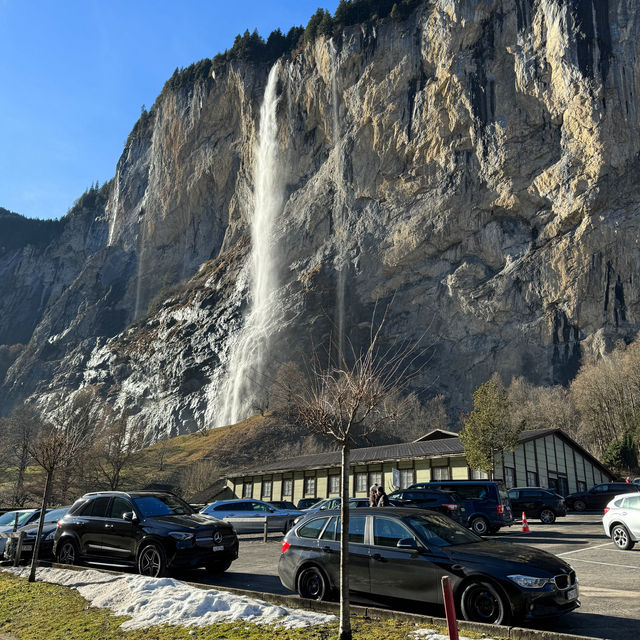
(609, 578)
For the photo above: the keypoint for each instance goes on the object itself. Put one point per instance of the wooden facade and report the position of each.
(547, 458)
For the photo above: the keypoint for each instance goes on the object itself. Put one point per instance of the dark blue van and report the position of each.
(486, 502)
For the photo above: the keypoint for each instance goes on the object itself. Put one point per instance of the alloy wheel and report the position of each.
(547, 516)
(150, 562)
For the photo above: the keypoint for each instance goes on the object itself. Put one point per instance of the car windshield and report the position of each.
(439, 531)
(54, 515)
(161, 505)
(7, 518)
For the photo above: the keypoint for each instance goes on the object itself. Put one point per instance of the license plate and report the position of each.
(218, 548)
(27, 547)
(572, 594)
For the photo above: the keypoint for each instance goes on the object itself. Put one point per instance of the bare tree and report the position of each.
(116, 447)
(56, 447)
(345, 400)
(21, 430)
(198, 476)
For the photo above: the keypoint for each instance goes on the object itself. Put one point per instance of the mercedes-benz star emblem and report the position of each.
(217, 538)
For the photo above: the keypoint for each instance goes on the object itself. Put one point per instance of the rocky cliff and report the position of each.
(475, 163)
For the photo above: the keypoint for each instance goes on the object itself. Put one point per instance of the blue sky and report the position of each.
(74, 75)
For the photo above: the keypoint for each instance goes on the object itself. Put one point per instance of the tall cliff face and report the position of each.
(475, 163)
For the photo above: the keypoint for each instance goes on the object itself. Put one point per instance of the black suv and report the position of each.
(486, 501)
(600, 496)
(441, 501)
(149, 530)
(537, 502)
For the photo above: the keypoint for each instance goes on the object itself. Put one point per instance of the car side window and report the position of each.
(632, 503)
(312, 529)
(119, 506)
(514, 495)
(331, 531)
(256, 506)
(99, 507)
(356, 529)
(387, 532)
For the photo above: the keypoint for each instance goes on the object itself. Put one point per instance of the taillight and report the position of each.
(451, 507)
(606, 510)
(285, 546)
(500, 508)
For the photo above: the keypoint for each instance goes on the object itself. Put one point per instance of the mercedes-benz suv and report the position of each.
(149, 530)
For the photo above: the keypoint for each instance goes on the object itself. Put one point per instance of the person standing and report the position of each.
(373, 495)
(383, 498)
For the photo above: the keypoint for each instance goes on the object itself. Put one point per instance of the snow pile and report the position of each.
(429, 634)
(156, 601)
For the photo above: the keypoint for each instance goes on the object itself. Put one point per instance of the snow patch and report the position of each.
(430, 634)
(156, 601)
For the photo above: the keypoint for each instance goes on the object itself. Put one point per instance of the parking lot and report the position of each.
(609, 578)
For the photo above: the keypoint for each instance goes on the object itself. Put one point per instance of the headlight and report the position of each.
(181, 535)
(529, 582)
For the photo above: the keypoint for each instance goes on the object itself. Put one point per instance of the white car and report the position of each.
(621, 520)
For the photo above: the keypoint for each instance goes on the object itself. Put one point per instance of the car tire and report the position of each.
(621, 537)
(151, 561)
(547, 516)
(312, 584)
(219, 566)
(579, 505)
(67, 552)
(482, 602)
(479, 525)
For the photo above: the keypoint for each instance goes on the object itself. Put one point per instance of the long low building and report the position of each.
(547, 458)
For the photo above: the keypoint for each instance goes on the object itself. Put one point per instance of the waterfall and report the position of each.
(340, 229)
(244, 379)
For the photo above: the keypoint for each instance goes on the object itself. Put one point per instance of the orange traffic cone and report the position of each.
(525, 524)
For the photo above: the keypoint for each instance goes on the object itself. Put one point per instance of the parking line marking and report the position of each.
(596, 546)
(608, 564)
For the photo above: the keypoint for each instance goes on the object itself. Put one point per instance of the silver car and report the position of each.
(248, 516)
(621, 520)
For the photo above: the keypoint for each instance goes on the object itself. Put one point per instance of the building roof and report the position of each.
(447, 446)
(437, 434)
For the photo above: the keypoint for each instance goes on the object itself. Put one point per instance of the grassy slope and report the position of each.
(45, 611)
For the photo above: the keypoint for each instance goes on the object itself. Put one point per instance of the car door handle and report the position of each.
(377, 557)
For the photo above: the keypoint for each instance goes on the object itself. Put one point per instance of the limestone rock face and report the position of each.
(475, 164)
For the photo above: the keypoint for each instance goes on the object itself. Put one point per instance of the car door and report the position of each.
(119, 535)
(632, 507)
(91, 530)
(401, 573)
(275, 521)
(329, 545)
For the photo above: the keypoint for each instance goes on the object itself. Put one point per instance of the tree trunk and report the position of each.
(36, 544)
(344, 632)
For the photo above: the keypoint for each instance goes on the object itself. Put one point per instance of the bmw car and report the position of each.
(403, 553)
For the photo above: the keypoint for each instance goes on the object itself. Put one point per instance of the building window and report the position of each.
(532, 479)
(478, 474)
(361, 482)
(407, 478)
(509, 477)
(266, 490)
(440, 473)
(247, 489)
(287, 488)
(334, 484)
(310, 486)
(375, 477)
(582, 486)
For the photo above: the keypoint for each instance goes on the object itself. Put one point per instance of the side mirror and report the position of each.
(129, 516)
(407, 543)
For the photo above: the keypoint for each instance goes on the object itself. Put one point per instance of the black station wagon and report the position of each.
(402, 553)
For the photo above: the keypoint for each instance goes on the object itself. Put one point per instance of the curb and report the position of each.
(371, 613)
